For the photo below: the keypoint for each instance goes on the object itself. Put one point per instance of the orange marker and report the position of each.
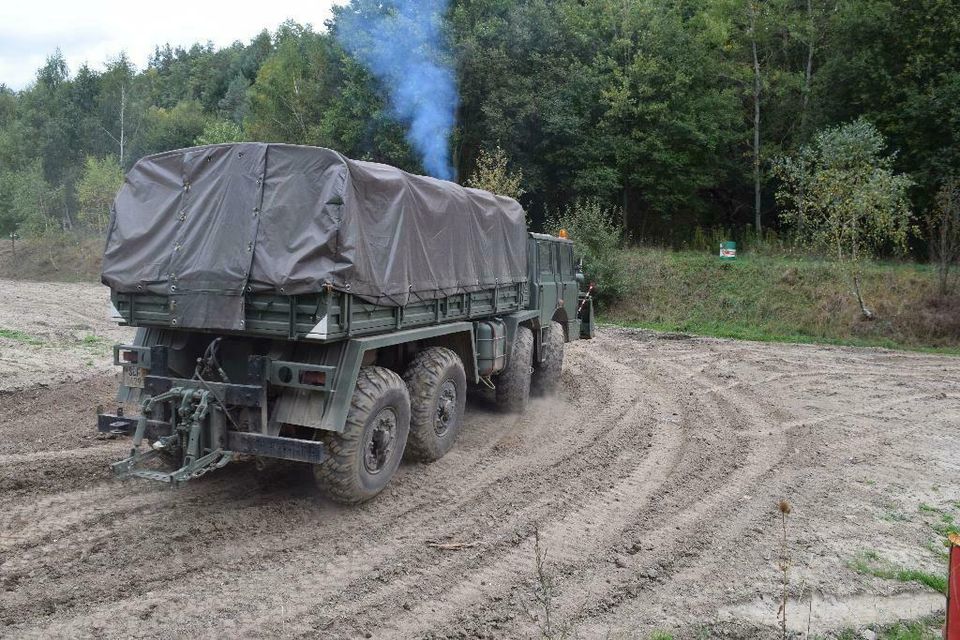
(952, 630)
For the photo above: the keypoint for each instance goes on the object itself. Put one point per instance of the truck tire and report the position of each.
(513, 384)
(362, 459)
(546, 376)
(438, 394)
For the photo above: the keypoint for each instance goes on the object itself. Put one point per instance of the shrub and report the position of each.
(219, 132)
(96, 190)
(493, 174)
(597, 239)
(841, 194)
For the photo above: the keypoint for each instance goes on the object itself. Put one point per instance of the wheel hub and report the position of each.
(381, 442)
(446, 408)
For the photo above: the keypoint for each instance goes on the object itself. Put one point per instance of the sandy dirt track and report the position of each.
(652, 479)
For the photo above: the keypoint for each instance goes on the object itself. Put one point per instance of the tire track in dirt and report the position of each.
(753, 476)
(628, 601)
(651, 436)
(674, 544)
(582, 565)
(551, 462)
(599, 511)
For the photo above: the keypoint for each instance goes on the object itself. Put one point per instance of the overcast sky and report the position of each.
(94, 30)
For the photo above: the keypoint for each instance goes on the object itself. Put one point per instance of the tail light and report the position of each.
(130, 356)
(315, 378)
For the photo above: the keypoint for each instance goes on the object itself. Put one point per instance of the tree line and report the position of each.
(675, 113)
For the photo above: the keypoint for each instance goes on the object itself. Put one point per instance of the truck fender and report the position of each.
(335, 414)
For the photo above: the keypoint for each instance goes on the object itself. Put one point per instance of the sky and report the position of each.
(94, 31)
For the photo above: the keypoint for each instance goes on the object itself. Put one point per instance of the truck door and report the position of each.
(549, 276)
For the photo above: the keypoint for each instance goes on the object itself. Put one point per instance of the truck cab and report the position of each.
(555, 286)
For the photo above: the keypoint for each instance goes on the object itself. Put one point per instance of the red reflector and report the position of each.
(129, 356)
(316, 378)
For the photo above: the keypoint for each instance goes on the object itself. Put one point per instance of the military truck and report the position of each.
(297, 305)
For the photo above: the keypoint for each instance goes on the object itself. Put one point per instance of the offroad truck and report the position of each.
(297, 305)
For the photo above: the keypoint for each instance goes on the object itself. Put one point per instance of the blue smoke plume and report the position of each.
(401, 43)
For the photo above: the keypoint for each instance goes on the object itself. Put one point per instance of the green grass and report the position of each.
(945, 527)
(660, 635)
(870, 563)
(94, 344)
(896, 516)
(785, 299)
(20, 336)
(926, 629)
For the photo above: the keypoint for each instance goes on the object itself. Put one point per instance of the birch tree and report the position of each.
(943, 224)
(841, 195)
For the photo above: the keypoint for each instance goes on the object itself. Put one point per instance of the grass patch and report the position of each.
(92, 344)
(938, 519)
(895, 516)
(926, 629)
(785, 299)
(20, 336)
(870, 563)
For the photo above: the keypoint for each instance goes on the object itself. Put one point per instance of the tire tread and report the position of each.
(423, 377)
(337, 475)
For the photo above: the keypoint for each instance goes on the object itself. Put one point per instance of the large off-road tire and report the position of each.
(438, 394)
(513, 384)
(365, 456)
(546, 374)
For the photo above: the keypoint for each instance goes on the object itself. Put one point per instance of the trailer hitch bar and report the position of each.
(194, 464)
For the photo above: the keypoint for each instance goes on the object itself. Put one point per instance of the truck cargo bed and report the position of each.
(331, 315)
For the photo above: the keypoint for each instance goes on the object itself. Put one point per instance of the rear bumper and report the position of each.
(240, 442)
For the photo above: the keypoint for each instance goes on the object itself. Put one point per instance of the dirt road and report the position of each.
(652, 481)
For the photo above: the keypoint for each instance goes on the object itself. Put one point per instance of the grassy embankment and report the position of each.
(63, 258)
(773, 298)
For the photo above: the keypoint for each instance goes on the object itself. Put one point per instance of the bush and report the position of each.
(597, 239)
(493, 174)
(841, 194)
(96, 190)
(220, 132)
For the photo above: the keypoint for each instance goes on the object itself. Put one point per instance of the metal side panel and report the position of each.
(348, 369)
(300, 406)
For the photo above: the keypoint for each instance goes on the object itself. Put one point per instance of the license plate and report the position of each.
(133, 377)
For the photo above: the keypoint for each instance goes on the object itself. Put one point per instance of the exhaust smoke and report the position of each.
(401, 43)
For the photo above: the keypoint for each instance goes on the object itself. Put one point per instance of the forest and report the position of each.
(674, 114)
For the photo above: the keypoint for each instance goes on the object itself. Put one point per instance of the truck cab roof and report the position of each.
(547, 236)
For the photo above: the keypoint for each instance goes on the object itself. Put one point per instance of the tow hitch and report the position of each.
(197, 426)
